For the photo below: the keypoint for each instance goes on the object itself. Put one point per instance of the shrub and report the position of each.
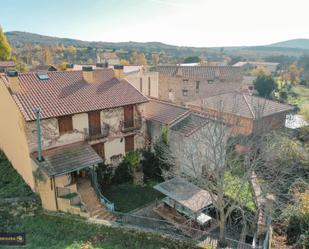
(126, 169)
(122, 173)
(150, 164)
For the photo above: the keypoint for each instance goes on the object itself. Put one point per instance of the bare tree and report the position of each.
(233, 168)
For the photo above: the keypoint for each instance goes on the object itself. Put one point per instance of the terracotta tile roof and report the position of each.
(241, 104)
(69, 158)
(164, 112)
(228, 73)
(7, 64)
(67, 93)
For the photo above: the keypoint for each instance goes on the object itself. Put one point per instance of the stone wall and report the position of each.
(171, 88)
(50, 135)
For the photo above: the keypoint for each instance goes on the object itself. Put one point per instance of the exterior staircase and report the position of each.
(91, 201)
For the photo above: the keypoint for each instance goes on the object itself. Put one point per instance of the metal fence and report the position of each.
(186, 232)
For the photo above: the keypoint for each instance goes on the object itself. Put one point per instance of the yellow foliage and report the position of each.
(124, 62)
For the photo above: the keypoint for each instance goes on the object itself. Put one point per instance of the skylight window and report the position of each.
(43, 76)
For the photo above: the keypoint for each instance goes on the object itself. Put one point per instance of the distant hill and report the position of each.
(295, 43)
(295, 47)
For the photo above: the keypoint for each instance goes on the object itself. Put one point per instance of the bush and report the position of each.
(150, 164)
(126, 169)
(122, 173)
(104, 174)
(265, 85)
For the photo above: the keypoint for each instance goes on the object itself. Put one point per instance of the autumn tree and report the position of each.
(260, 70)
(292, 74)
(5, 49)
(155, 58)
(124, 62)
(138, 58)
(47, 56)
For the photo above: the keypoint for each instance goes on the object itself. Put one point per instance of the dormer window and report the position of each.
(43, 76)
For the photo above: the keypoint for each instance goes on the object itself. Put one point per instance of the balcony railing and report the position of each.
(131, 124)
(97, 132)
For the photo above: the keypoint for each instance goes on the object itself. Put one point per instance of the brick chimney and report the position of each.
(118, 70)
(88, 74)
(13, 80)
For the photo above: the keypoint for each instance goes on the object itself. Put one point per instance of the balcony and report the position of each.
(97, 132)
(131, 125)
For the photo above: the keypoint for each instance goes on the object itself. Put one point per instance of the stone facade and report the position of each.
(112, 118)
(181, 90)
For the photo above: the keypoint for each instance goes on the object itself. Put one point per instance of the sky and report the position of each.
(199, 23)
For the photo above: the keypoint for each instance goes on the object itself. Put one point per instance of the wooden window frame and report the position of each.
(65, 124)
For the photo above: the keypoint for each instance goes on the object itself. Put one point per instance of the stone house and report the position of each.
(181, 84)
(247, 114)
(56, 127)
(188, 135)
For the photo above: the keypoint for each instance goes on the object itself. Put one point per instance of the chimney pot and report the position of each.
(88, 74)
(118, 70)
(13, 81)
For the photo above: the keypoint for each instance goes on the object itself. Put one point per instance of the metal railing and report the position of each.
(131, 124)
(97, 132)
(107, 203)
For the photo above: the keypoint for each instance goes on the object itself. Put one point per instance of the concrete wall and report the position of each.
(136, 78)
(13, 136)
(114, 147)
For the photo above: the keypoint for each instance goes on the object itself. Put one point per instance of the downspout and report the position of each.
(38, 128)
(55, 192)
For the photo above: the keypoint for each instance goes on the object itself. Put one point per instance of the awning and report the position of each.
(69, 158)
(185, 193)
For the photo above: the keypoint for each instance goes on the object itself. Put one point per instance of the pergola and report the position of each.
(187, 198)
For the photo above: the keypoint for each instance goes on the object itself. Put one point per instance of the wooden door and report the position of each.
(94, 123)
(129, 143)
(128, 116)
(99, 148)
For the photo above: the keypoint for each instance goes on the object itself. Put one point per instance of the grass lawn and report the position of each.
(68, 232)
(11, 183)
(128, 197)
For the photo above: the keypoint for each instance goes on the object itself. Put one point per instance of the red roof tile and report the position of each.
(67, 93)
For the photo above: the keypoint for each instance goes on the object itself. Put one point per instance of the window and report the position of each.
(149, 84)
(185, 81)
(184, 92)
(197, 86)
(210, 81)
(141, 84)
(65, 124)
(42, 76)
